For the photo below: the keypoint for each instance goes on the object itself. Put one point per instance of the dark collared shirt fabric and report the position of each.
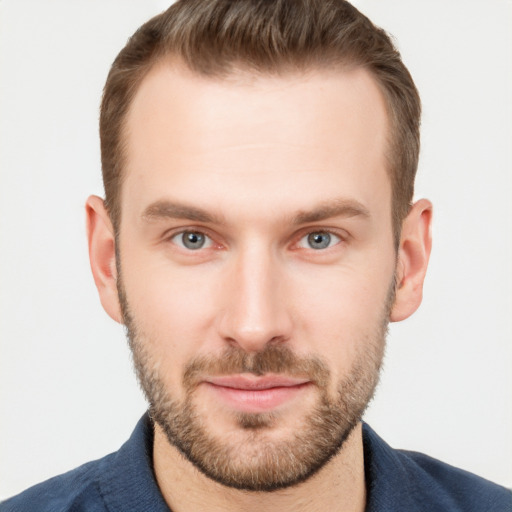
(396, 481)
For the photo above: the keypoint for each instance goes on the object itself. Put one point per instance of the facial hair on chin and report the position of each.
(259, 462)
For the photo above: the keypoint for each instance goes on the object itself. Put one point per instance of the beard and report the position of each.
(256, 460)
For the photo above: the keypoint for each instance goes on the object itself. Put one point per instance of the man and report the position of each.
(256, 238)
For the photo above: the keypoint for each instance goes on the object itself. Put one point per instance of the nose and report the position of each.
(255, 310)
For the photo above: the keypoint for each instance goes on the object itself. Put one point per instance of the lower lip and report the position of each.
(257, 400)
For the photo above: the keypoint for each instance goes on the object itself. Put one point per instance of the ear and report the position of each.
(413, 255)
(102, 255)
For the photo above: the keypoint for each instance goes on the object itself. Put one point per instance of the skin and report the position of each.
(270, 160)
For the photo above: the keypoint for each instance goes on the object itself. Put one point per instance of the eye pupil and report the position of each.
(193, 240)
(319, 240)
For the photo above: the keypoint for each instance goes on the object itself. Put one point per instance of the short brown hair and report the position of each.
(216, 37)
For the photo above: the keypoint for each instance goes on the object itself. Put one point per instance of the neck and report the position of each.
(338, 486)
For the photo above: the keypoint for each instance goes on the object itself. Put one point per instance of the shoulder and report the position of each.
(123, 480)
(444, 485)
(75, 491)
(404, 480)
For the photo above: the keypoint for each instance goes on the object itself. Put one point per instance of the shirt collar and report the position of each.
(129, 482)
(387, 480)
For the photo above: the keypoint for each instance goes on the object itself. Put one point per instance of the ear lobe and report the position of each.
(102, 255)
(413, 256)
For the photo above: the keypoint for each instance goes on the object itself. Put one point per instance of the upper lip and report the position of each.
(252, 382)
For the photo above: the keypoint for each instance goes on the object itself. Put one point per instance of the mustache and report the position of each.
(274, 358)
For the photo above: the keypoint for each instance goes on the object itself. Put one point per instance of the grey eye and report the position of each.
(192, 240)
(319, 240)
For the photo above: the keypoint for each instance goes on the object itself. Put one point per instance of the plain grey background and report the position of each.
(67, 393)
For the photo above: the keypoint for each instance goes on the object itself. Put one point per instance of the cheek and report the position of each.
(172, 311)
(340, 313)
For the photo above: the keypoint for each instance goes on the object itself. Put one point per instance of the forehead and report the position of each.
(304, 133)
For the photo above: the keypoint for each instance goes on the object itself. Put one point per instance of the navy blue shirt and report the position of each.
(396, 481)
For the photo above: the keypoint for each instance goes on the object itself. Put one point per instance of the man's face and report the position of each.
(257, 264)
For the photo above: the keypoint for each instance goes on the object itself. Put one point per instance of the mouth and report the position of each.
(252, 394)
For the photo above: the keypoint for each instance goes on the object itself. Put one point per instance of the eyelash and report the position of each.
(181, 234)
(330, 234)
(339, 239)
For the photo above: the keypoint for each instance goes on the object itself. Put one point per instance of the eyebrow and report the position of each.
(164, 209)
(333, 208)
(172, 210)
